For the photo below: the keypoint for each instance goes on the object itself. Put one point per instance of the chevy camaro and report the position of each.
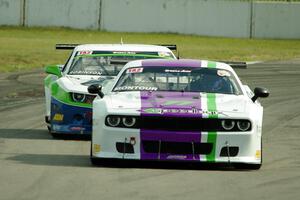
(68, 104)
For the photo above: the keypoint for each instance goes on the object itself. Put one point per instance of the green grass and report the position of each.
(26, 48)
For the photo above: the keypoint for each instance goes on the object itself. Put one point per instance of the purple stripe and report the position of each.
(171, 63)
(157, 100)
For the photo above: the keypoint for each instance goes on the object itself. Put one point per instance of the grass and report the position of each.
(26, 48)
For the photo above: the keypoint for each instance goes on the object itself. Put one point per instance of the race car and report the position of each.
(178, 110)
(68, 104)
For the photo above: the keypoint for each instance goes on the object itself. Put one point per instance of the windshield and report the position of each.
(107, 63)
(178, 79)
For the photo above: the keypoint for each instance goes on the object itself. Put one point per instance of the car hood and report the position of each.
(76, 83)
(179, 103)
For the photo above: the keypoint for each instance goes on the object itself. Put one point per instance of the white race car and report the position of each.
(68, 104)
(183, 110)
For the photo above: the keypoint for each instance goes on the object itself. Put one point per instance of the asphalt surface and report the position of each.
(33, 165)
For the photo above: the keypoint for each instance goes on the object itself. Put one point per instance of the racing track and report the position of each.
(35, 166)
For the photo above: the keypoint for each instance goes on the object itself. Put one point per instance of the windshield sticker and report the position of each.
(223, 73)
(135, 88)
(134, 70)
(85, 52)
(85, 73)
(178, 71)
(124, 52)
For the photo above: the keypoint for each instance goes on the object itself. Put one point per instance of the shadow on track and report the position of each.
(52, 160)
(34, 134)
(71, 137)
(169, 165)
(84, 161)
(38, 134)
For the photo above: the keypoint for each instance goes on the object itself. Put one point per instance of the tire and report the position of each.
(54, 135)
(49, 128)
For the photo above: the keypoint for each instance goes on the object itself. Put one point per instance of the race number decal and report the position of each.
(134, 70)
(84, 52)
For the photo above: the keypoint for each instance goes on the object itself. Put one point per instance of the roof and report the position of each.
(122, 47)
(180, 63)
(171, 63)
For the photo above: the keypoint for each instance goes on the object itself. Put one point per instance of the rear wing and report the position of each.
(172, 47)
(241, 65)
(65, 46)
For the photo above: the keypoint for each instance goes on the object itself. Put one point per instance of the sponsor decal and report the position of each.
(179, 111)
(58, 117)
(134, 70)
(177, 157)
(223, 73)
(178, 71)
(85, 52)
(135, 88)
(77, 128)
(132, 140)
(258, 154)
(124, 52)
(97, 148)
(98, 73)
(57, 127)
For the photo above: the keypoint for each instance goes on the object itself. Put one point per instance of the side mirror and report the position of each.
(53, 69)
(96, 89)
(260, 92)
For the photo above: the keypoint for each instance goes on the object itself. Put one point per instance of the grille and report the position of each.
(180, 124)
(233, 151)
(177, 147)
(124, 147)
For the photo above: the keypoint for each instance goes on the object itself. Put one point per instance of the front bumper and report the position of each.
(223, 147)
(69, 119)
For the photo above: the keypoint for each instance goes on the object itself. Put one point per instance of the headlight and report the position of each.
(113, 121)
(129, 121)
(83, 98)
(228, 124)
(243, 125)
(77, 97)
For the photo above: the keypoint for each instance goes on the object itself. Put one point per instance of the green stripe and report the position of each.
(65, 97)
(211, 64)
(211, 106)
